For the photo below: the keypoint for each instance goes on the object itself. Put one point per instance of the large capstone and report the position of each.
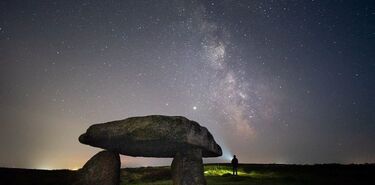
(152, 136)
(102, 169)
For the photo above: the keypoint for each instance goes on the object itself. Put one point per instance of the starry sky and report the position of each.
(274, 81)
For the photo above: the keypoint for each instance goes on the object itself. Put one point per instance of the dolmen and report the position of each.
(160, 136)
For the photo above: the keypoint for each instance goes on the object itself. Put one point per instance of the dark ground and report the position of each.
(216, 174)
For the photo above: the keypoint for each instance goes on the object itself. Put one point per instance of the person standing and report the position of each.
(235, 165)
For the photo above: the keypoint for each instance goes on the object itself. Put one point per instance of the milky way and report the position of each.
(227, 93)
(274, 81)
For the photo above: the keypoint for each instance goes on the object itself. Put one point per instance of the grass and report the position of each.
(146, 175)
(226, 170)
(258, 174)
(216, 174)
(221, 174)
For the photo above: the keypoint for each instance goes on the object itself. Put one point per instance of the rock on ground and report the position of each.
(102, 169)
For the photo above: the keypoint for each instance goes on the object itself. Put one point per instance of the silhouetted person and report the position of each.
(234, 165)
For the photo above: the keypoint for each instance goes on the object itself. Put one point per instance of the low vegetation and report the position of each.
(258, 174)
(216, 174)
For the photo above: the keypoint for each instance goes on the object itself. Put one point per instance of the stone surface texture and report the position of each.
(102, 169)
(152, 136)
(187, 168)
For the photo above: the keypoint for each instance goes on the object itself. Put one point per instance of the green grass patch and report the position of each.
(226, 170)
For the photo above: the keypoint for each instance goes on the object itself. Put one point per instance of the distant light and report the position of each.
(75, 168)
(44, 168)
(194, 108)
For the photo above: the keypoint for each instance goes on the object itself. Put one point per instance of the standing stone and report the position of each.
(102, 169)
(187, 168)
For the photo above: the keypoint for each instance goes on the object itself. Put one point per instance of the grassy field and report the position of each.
(216, 174)
(257, 174)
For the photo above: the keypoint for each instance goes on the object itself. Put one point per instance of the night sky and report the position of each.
(274, 81)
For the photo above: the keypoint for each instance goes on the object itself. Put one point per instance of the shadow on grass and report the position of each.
(146, 175)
